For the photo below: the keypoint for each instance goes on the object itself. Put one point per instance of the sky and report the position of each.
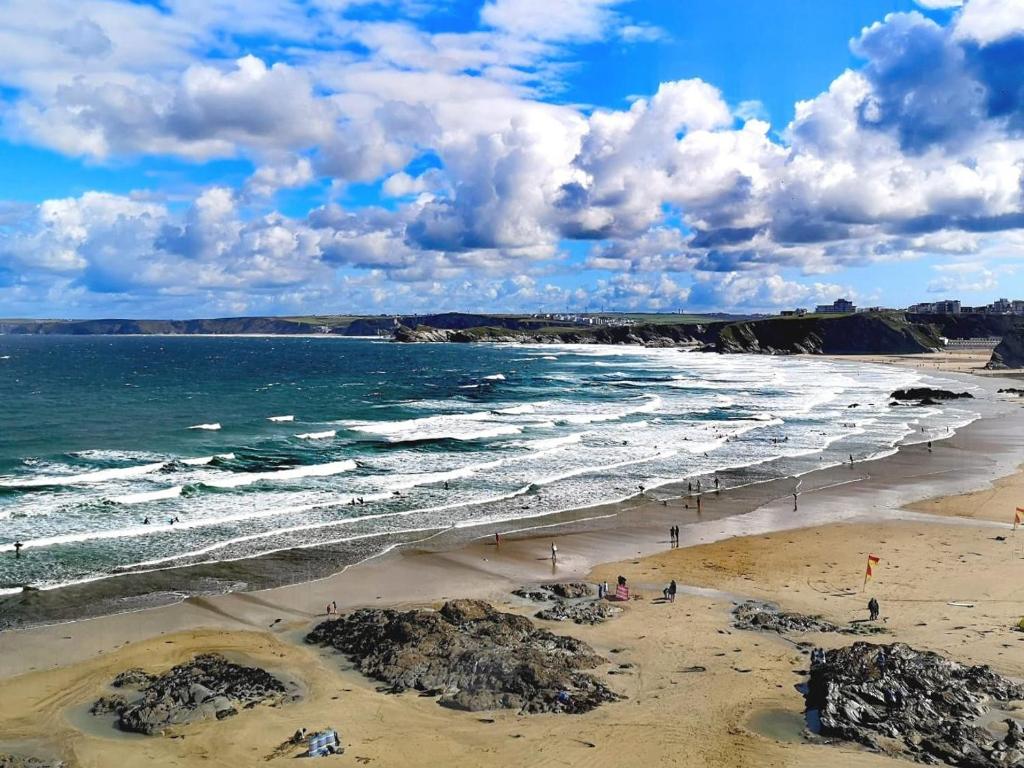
(199, 158)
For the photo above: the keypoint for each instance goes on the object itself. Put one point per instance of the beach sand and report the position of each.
(995, 503)
(698, 692)
(971, 361)
(712, 717)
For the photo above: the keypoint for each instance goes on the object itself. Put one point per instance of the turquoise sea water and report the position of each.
(254, 445)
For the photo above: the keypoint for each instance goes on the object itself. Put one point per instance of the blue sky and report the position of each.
(209, 157)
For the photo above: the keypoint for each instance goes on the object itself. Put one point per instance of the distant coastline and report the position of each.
(860, 333)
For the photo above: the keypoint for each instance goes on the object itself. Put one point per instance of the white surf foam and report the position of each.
(318, 435)
(517, 409)
(295, 473)
(495, 377)
(211, 427)
(147, 496)
(280, 418)
(454, 426)
(99, 476)
(203, 460)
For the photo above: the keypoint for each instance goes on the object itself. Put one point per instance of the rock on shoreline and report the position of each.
(916, 703)
(471, 655)
(207, 687)
(755, 616)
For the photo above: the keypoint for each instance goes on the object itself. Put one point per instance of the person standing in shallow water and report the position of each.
(17, 550)
(554, 553)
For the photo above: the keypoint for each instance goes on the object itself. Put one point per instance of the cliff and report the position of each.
(1010, 351)
(667, 335)
(832, 335)
(865, 333)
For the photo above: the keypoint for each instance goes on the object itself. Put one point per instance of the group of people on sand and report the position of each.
(673, 535)
(332, 608)
(170, 520)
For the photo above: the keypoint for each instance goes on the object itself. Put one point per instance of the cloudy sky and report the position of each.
(186, 158)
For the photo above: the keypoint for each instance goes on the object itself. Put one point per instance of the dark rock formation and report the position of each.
(20, 761)
(927, 393)
(208, 686)
(135, 679)
(758, 616)
(106, 705)
(1012, 391)
(555, 591)
(474, 657)
(1009, 353)
(916, 702)
(585, 612)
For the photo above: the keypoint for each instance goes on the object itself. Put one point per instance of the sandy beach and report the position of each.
(698, 692)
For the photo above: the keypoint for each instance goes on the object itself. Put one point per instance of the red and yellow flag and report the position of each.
(873, 560)
(1018, 517)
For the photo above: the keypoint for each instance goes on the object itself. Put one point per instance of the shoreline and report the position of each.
(464, 562)
(747, 487)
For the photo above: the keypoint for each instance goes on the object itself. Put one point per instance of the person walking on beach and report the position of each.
(554, 553)
(873, 609)
(929, 446)
(672, 591)
(497, 539)
(718, 486)
(600, 591)
(334, 607)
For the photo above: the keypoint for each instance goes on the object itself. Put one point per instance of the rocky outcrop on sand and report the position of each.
(924, 394)
(20, 761)
(756, 616)
(207, 687)
(470, 655)
(915, 703)
(752, 615)
(585, 612)
(555, 591)
(573, 601)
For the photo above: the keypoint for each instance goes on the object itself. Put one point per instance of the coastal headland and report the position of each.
(690, 688)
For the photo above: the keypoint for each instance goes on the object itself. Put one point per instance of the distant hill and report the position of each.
(861, 333)
(344, 325)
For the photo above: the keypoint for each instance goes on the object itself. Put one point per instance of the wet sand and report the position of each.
(747, 543)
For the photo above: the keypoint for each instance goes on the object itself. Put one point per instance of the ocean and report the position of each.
(128, 454)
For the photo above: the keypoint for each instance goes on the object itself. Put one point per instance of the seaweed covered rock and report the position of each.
(555, 591)
(763, 617)
(916, 702)
(207, 687)
(585, 612)
(474, 657)
(135, 679)
(766, 618)
(21, 761)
